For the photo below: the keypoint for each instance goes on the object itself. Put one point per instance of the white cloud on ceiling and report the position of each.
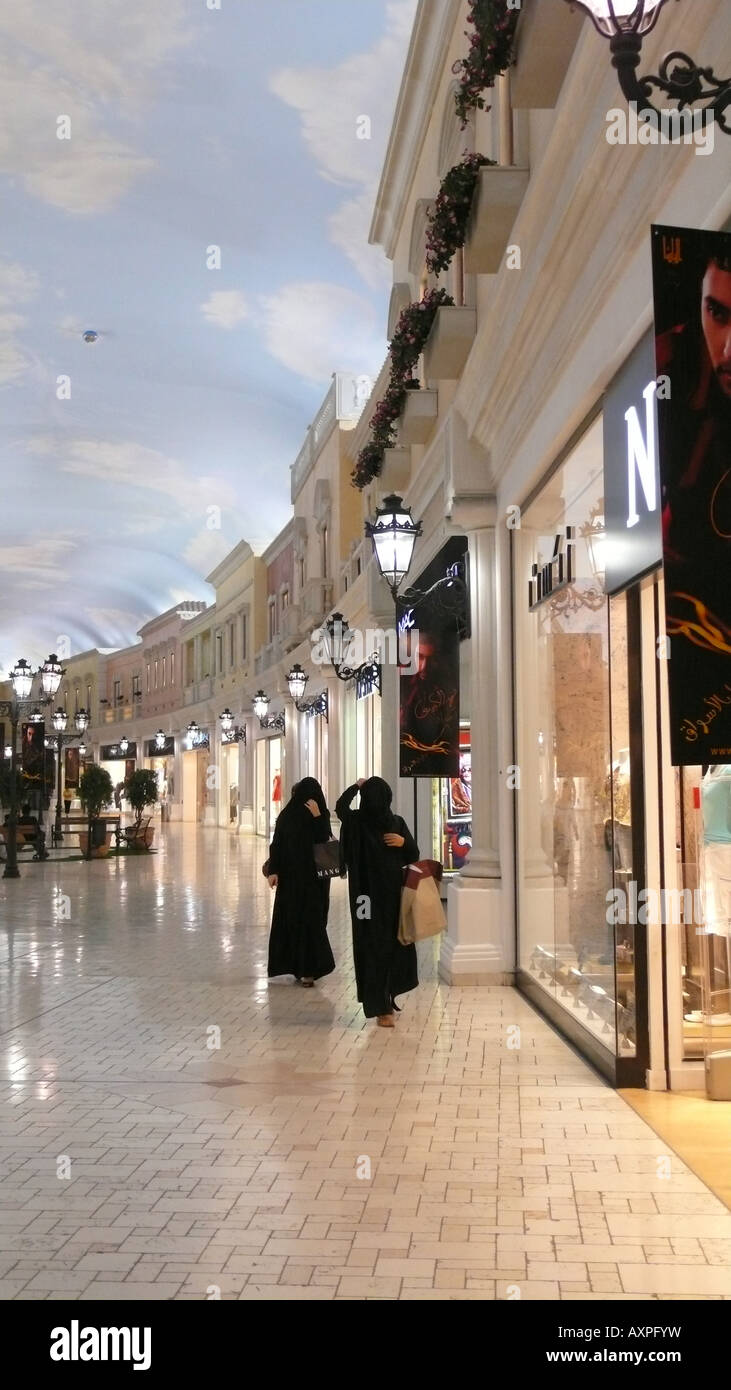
(40, 561)
(17, 286)
(331, 102)
(77, 62)
(225, 308)
(206, 550)
(315, 328)
(132, 465)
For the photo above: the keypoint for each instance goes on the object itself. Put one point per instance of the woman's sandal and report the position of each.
(306, 982)
(385, 1021)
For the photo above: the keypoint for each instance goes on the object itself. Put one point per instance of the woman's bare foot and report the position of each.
(385, 1021)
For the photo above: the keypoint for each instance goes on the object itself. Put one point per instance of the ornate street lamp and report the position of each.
(191, 733)
(124, 745)
(81, 720)
(226, 720)
(625, 23)
(50, 674)
(160, 740)
(393, 534)
(60, 721)
(21, 678)
(297, 682)
(260, 705)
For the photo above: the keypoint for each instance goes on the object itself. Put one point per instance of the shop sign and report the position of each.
(692, 289)
(112, 753)
(632, 508)
(200, 739)
(152, 749)
(556, 574)
(367, 680)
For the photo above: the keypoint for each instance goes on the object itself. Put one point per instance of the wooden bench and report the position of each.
(142, 837)
(24, 839)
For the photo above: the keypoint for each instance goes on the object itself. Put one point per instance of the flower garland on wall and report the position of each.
(407, 344)
(447, 223)
(490, 53)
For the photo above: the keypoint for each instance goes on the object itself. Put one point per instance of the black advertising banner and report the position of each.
(430, 626)
(71, 768)
(34, 752)
(632, 508)
(692, 288)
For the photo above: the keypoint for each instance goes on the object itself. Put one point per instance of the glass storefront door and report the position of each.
(577, 759)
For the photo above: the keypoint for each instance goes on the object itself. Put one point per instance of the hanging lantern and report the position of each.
(393, 534)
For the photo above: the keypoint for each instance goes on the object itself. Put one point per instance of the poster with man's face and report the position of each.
(431, 620)
(33, 752)
(692, 288)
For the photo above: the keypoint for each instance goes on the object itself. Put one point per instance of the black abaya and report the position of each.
(298, 942)
(383, 967)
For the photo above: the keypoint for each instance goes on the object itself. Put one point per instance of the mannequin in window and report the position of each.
(618, 788)
(716, 793)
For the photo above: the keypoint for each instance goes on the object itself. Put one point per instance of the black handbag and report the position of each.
(327, 859)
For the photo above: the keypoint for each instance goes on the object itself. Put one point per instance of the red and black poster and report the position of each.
(432, 618)
(692, 288)
(33, 755)
(71, 768)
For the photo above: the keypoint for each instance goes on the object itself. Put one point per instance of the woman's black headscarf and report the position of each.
(309, 789)
(375, 804)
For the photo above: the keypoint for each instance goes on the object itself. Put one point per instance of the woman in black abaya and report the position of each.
(376, 844)
(298, 943)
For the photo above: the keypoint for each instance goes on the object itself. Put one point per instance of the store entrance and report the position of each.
(268, 784)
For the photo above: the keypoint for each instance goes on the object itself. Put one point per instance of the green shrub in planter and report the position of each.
(140, 790)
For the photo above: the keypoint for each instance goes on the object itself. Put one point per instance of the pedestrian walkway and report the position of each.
(226, 1136)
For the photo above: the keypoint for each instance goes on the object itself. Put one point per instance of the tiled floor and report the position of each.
(310, 1155)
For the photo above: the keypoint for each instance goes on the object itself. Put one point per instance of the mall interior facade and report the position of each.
(511, 448)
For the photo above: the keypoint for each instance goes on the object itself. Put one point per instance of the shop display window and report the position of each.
(452, 809)
(575, 859)
(703, 862)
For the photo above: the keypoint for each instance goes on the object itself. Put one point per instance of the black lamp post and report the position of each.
(21, 678)
(60, 721)
(625, 23)
(297, 683)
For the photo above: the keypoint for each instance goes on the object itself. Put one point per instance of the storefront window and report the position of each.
(572, 772)
(452, 809)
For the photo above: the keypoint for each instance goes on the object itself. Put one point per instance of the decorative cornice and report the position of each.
(430, 40)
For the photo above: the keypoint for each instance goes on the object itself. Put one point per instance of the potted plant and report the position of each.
(95, 792)
(490, 53)
(140, 790)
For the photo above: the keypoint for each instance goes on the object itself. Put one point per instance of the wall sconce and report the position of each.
(338, 641)
(393, 534)
(229, 732)
(625, 23)
(297, 682)
(260, 705)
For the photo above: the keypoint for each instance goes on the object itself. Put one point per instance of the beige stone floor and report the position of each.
(310, 1155)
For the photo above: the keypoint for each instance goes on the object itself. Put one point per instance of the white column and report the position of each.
(473, 947)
